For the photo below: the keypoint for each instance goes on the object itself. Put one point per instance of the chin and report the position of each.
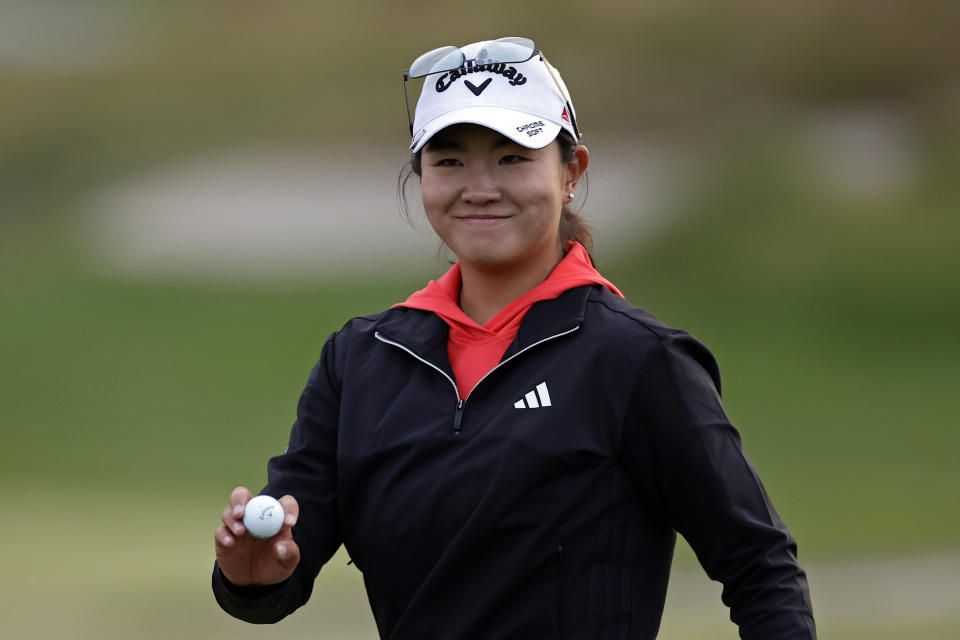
(481, 248)
(487, 260)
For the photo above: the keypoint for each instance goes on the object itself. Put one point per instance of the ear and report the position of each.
(576, 168)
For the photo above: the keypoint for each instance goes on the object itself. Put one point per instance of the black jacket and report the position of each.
(546, 504)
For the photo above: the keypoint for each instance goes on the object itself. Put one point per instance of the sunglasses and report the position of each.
(501, 50)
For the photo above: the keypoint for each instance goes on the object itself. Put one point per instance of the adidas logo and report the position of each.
(535, 399)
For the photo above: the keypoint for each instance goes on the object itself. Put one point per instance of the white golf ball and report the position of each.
(263, 517)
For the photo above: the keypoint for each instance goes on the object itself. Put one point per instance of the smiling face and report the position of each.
(494, 203)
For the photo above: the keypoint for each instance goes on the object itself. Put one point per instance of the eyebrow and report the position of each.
(439, 143)
(443, 144)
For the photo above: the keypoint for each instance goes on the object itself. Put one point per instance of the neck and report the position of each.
(485, 292)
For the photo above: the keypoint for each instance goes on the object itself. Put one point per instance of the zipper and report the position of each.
(458, 417)
(458, 413)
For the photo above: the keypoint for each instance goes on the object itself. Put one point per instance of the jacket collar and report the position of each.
(425, 333)
(551, 317)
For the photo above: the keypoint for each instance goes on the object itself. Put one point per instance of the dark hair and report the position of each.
(572, 225)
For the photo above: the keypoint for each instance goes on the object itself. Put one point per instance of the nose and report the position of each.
(480, 189)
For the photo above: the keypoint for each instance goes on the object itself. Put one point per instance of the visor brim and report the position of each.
(533, 132)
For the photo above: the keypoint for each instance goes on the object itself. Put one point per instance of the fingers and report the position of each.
(239, 498)
(232, 514)
(291, 510)
(231, 521)
(232, 517)
(223, 538)
(246, 560)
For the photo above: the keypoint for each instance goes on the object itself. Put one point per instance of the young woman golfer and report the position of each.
(511, 451)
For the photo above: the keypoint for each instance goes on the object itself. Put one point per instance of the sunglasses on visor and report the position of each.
(501, 50)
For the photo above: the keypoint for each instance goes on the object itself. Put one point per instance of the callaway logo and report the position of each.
(477, 90)
(500, 68)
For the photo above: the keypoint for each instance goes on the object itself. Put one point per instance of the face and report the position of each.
(494, 203)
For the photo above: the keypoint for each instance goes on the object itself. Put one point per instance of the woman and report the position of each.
(510, 452)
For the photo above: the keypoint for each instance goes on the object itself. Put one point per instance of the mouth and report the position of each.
(482, 219)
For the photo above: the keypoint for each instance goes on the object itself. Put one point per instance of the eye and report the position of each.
(512, 159)
(447, 162)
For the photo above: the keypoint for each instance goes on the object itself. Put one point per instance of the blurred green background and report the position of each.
(810, 238)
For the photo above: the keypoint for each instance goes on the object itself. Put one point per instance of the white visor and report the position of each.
(520, 100)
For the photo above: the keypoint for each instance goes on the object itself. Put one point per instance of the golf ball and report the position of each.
(263, 517)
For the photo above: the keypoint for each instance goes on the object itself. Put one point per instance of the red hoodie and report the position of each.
(475, 349)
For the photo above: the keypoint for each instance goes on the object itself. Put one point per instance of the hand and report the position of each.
(246, 560)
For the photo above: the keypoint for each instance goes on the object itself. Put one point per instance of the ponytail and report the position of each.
(573, 228)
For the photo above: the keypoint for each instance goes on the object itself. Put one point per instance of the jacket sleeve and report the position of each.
(686, 458)
(307, 471)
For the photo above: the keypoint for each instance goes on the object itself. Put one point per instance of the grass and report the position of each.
(126, 562)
